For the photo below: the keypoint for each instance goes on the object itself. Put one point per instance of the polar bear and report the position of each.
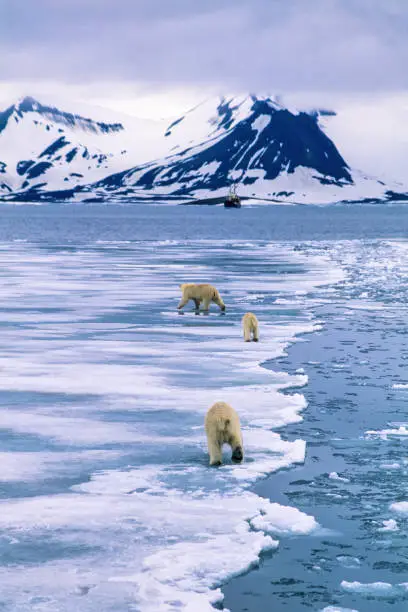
(200, 293)
(250, 325)
(222, 427)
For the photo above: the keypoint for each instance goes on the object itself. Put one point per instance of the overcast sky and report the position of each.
(133, 53)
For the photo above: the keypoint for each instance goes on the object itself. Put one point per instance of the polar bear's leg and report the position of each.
(206, 304)
(247, 333)
(217, 299)
(236, 446)
(237, 454)
(256, 333)
(183, 302)
(197, 303)
(215, 450)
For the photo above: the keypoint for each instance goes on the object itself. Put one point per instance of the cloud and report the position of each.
(240, 45)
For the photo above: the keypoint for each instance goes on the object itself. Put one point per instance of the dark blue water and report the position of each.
(355, 365)
(102, 412)
(85, 223)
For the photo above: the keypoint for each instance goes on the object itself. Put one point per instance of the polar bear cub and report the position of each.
(222, 427)
(200, 293)
(251, 327)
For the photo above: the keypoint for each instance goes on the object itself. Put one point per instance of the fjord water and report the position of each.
(107, 500)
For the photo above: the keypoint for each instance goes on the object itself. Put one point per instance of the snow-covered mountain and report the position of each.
(43, 148)
(269, 151)
(254, 142)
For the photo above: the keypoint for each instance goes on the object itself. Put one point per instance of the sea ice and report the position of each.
(335, 476)
(389, 525)
(111, 394)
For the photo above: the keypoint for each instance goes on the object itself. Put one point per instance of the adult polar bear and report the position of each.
(222, 427)
(200, 293)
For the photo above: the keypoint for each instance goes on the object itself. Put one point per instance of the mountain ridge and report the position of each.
(28, 104)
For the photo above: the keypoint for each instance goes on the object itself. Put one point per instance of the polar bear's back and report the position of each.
(221, 418)
(198, 290)
(250, 320)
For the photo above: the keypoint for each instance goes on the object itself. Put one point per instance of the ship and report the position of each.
(232, 200)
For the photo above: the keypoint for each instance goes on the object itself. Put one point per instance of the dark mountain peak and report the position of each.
(27, 104)
(230, 108)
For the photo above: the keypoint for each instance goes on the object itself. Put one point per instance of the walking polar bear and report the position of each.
(222, 427)
(250, 325)
(200, 293)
